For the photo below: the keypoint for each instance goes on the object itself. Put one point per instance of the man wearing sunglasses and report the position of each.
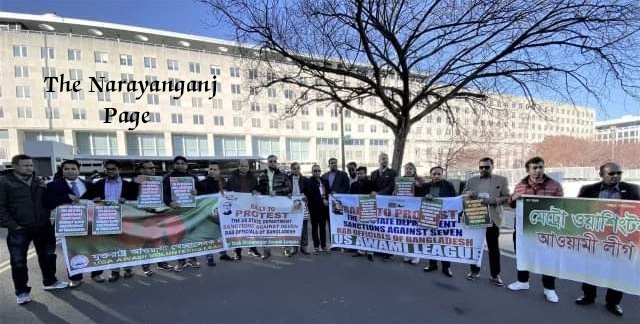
(611, 187)
(535, 184)
(148, 169)
(494, 192)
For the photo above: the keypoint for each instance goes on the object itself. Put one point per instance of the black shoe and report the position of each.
(128, 273)
(114, 276)
(370, 257)
(238, 257)
(430, 269)
(147, 272)
(447, 272)
(614, 309)
(165, 266)
(225, 257)
(266, 256)
(304, 251)
(358, 254)
(212, 262)
(583, 300)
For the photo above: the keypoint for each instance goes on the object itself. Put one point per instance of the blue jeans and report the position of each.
(18, 242)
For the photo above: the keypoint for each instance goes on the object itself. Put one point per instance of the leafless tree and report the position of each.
(415, 57)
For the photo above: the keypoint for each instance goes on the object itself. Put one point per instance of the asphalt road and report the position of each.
(332, 288)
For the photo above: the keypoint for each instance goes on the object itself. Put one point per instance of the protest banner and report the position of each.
(107, 220)
(150, 193)
(476, 213)
(587, 240)
(404, 186)
(181, 188)
(253, 220)
(397, 231)
(71, 220)
(148, 237)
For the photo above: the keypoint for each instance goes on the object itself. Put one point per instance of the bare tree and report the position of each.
(417, 56)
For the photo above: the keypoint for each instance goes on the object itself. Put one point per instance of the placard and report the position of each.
(107, 220)
(150, 192)
(476, 213)
(430, 212)
(368, 208)
(181, 188)
(71, 220)
(404, 186)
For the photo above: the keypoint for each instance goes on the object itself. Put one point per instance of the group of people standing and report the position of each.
(26, 202)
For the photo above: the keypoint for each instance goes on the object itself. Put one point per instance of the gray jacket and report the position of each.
(498, 188)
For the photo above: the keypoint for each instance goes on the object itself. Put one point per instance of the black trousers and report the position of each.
(492, 234)
(304, 238)
(18, 242)
(79, 276)
(548, 282)
(319, 229)
(613, 297)
(434, 263)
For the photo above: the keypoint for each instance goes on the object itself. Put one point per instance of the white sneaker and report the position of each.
(519, 286)
(24, 298)
(551, 295)
(57, 285)
(415, 260)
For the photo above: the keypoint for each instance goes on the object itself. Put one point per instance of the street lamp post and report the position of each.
(342, 139)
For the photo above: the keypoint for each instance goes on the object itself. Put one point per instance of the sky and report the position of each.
(187, 16)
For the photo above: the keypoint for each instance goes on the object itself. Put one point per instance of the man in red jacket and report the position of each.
(535, 184)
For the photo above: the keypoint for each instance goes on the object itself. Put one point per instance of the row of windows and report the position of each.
(127, 60)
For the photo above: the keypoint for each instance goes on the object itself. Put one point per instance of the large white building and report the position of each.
(235, 123)
(625, 129)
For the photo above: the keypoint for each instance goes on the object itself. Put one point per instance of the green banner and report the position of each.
(148, 237)
(587, 240)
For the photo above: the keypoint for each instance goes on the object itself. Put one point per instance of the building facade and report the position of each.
(625, 129)
(238, 121)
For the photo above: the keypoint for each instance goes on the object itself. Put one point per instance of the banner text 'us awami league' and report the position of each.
(397, 231)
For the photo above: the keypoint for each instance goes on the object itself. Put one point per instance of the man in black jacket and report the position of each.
(317, 200)
(338, 180)
(611, 187)
(113, 188)
(243, 180)
(148, 169)
(66, 190)
(437, 188)
(181, 169)
(299, 187)
(384, 180)
(22, 212)
(363, 186)
(273, 182)
(213, 184)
